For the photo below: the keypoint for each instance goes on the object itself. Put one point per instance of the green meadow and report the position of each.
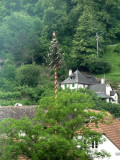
(112, 55)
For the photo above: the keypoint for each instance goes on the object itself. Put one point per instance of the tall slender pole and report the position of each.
(56, 83)
(55, 58)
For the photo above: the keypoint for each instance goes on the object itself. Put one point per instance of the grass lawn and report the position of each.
(114, 59)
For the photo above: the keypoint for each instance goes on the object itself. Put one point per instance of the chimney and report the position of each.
(102, 81)
(70, 72)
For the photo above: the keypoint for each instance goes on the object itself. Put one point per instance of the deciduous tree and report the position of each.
(52, 135)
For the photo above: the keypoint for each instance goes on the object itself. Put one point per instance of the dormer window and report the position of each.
(72, 76)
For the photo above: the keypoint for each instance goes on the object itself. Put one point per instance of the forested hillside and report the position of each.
(26, 28)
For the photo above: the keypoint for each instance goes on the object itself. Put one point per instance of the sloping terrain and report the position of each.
(113, 58)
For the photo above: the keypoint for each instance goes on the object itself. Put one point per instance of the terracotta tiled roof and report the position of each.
(111, 131)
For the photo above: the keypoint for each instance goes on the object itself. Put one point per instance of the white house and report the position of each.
(111, 134)
(78, 80)
(103, 90)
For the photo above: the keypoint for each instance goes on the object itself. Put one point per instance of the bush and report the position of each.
(28, 75)
(8, 71)
(7, 85)
(96, 64)
(8, 95)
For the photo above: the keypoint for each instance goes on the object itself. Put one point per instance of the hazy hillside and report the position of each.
(26, 29)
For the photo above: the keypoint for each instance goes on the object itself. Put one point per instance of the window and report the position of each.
(65, 85)
(73, 85)
(95, 144)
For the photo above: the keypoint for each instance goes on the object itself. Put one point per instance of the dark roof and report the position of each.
(112, 93)
(103, 95)
(72, 75)
(17, 112)
(91, 79)
(79, 78)
(98, 88)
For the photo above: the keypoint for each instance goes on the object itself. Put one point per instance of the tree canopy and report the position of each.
(26, 27)
(52, 134)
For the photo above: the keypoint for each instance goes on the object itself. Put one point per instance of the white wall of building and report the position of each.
(71, 86)
(75, 86)
(108, 89)
(81, 86)
(115, 97)
(109, 147)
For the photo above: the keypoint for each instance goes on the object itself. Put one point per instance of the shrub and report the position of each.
(8, 95)
(28, 75)
(96, 64)
(7, 85)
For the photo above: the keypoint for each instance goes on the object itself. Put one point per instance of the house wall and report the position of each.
(76, 86)
(107, 100)
(108, 89)
(69, 86)
(115, 97)
(63, 86)
(109, 147)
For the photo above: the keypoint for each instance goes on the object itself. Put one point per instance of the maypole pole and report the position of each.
(55, 60)
(56, 83)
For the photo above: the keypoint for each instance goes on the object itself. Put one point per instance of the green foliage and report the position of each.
(113, 58)
(26, 28)
(18, 37)
(99, 104)
(28, 75)
(113, 108)
(117, 48)
(51, 135)
(85, 37)
(95, 64)
(8, 71)
(7, 95)
(6, 85)
(11, 92)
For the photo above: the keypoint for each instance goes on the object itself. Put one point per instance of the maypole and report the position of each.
(56, 83)
(55, 59)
